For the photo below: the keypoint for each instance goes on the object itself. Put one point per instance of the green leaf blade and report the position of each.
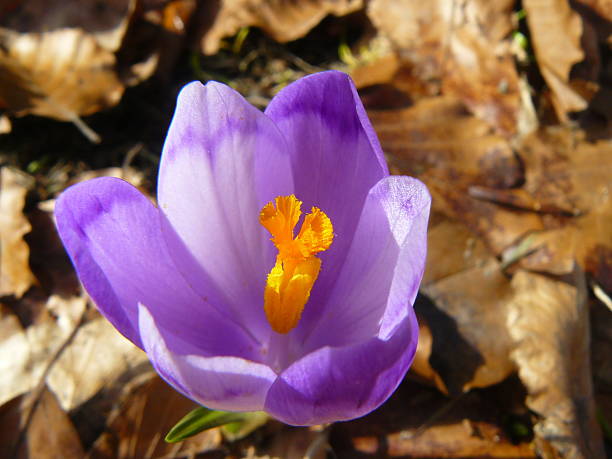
(202, 419)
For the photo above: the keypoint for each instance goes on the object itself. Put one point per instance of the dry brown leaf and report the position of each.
(283, 20)
(419, 422)
(499, 227)
(63, 73)
(463, 44)
(299, 443)
(51, 433)
(565, 172)
(601, 350)
(5, 124)
(467, 321)
(569, 178)
(106, 21)
(51, 322)
(15, 274)
(439, 135)
(14, 357)
(34, 426)
(549, 323)
(65, 59)
(95, 358)
(451, 250)
(463, 341)
(555, 31)
(148, 410)
(602, 7)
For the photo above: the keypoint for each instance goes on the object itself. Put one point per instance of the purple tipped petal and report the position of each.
(336, 159)
(185, 281)
(225, 383)
(335, 384)
(112, 234)
(380, 277)
(223, 160)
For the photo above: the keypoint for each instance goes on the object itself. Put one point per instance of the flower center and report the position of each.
(289, 283)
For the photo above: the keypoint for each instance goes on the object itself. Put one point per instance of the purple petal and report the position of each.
(223, 160)
(336, 159)
(225, 383)
(380, 277)
(336, 384)
(113, 236)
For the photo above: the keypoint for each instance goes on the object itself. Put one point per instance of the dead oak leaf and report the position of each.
(15, 274)
(15, 375)
(283, 20)
(462, 44)
(555, 31)
(441, 136)
(148, 409)
(63, 74)
(81, 370)
(549, 324)
(418, 421)
(568, 178)
(34, 425)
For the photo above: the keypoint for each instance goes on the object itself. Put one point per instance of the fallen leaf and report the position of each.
(567, 177)
(81, 370)
(15, 274)
(14, 357)
(299, 442)
(463, 45)
(5, 124)
(440, 135)
(66, 59)
(601, 349)
(467, 319)
(283, 20)
(555, 31)
(147, 411)
(106, 21)
(420, 422)
(51, 322)
(34, 425)
(499, 227)
(63, 73)
(549, 323)
(602, 7)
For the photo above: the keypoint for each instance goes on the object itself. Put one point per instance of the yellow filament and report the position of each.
(290, 282)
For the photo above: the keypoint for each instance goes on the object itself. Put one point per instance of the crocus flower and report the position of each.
(278, 270)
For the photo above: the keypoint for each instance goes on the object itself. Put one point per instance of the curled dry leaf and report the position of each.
(34, 425)
(549, 323)
(470, 343)
(462, 44)
(555, 31)
(420, 422)
(15, 375)
(601, 350)
(438, 135)
(148, 410)
(569, 178)
(5, 124)
(602, 7)
(61, 74)
(66, 59)
(283, 20)
(31, 352)
(300, 443)
(81, 370)
(15, 274)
